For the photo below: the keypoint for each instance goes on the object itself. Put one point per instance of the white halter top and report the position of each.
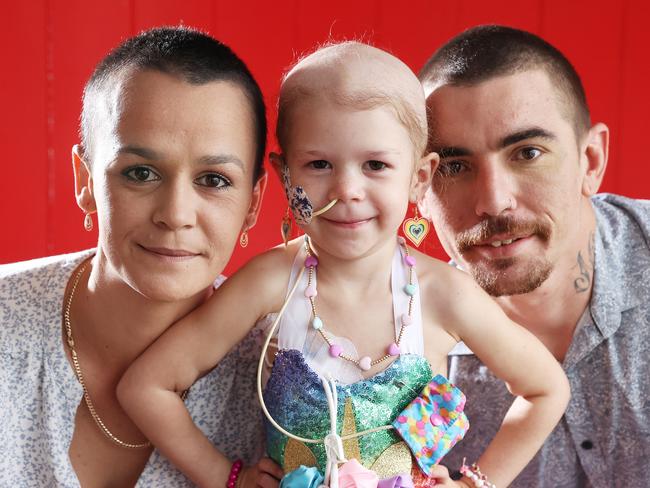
(295, 331)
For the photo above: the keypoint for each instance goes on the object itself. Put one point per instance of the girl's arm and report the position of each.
(150, 389)
(517, 357)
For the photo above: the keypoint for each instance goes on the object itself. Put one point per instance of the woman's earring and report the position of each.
(243, 238)
(88, 222)
(285, 227)
(416, 229)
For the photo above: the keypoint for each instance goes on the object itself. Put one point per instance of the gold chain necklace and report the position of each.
(77, 369)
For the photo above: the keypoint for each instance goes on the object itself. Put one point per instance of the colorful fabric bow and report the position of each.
(433, 422)
(302, 477)
(351, 475)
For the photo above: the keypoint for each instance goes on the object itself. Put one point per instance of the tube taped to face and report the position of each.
(301, 207)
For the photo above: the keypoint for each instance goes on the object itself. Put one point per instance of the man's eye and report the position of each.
(319, 164)
(376, 165)
(529, 153)
(450, 168)
(213, 180)
(141, 174)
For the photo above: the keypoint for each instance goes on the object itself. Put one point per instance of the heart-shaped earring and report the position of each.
(416, 228)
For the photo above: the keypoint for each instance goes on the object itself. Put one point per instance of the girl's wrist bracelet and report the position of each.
(235, 469)
(473, 473)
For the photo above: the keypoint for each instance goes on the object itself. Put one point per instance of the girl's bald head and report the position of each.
(355, 76)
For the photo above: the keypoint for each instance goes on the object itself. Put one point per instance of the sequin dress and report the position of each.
(295, 398)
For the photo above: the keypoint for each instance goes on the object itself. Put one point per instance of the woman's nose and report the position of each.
(175, 208)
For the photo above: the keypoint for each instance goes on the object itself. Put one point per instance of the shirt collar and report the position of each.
(616, 281)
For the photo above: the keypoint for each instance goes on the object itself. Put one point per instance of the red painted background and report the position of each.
(49, 47)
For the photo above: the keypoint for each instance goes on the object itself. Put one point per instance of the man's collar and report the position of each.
(615, 288)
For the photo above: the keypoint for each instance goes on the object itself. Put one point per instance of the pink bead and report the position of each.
(311, 261)
(311, 292)
(365, 363)
(406, 320)
(401, 240)
(409, 260)
(335, 350)
(393, 349)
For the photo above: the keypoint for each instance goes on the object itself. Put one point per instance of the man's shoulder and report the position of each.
(621, 214)
(30, 292)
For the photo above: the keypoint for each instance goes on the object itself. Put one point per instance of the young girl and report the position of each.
(352, 129)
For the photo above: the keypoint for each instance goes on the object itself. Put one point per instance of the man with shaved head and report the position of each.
(514, 203)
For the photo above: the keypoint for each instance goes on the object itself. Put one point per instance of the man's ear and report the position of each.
(256, 201)
(595, 154)
(422, 175)
(83, 181)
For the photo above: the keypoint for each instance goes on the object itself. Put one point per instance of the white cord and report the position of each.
(260, 367)
(333, 443)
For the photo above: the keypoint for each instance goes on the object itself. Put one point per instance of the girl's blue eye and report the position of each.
(376, 165)
(141, 174)
(319, 164)
(213, 180)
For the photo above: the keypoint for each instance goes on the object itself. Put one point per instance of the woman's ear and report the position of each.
(256, 201)
(421, 180)
(83, 181)
(595, 154)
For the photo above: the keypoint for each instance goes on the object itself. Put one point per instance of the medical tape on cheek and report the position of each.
(299, 202)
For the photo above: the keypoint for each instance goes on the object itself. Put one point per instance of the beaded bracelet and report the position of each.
(473, 472)
(235, 469)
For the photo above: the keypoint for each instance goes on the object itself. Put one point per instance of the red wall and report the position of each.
(49, 48)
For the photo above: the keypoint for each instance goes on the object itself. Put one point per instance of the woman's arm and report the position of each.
(150, 389)
(517, 357)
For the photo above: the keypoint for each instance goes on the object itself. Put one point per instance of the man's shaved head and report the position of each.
(490, 51)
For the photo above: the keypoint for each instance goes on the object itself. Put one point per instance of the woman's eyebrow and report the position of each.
(152, 155)
(221, 159)
(143, 152)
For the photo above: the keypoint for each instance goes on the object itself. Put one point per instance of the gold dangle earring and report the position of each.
(416, 228)
(243, 238)
(285, 227)
(88, 222)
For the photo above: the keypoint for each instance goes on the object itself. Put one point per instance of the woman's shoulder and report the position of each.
(42, 268)
(31, 294)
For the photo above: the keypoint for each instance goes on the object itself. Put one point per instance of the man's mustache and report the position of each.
(492, 226)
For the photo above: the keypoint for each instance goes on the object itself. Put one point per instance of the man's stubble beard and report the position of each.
(502, 278)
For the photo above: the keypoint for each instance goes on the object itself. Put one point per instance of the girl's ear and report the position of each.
(83, 181)
(421, 181)
(277, 160)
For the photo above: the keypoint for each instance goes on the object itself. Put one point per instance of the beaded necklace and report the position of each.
(336, 351)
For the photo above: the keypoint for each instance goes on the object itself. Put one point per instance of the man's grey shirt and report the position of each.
(603, 440)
